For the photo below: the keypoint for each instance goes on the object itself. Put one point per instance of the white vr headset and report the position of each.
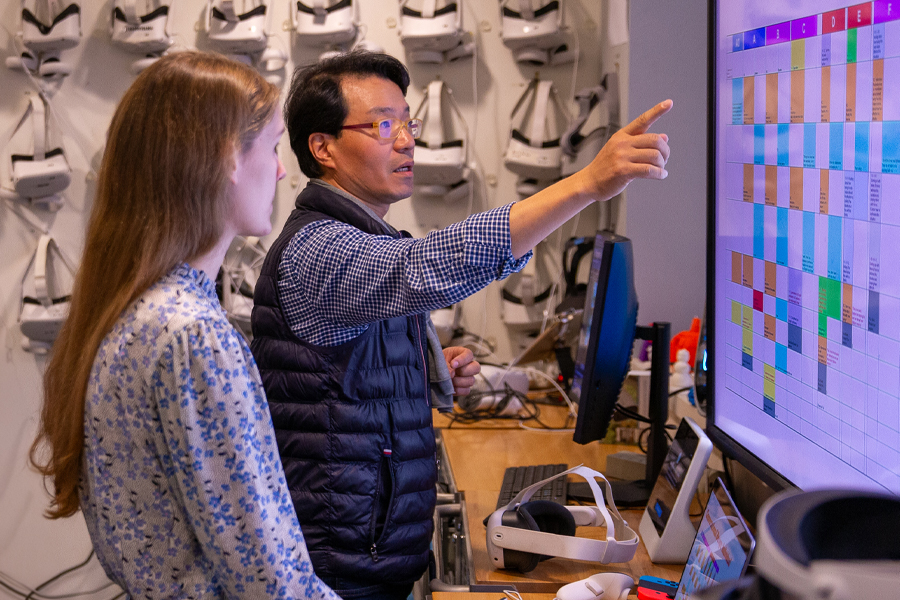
(835, 544)
(48, 26)
(533, 155)
(433, 33)
(579, 149)
(441, 166)
(239, 274)
(141, 30)
(45, 172)
(237, 30)
(324, 22)
(42, 315)
(523, 533)
(534, 33)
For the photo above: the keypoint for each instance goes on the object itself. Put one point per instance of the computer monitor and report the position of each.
(804, 281)
(605, 343)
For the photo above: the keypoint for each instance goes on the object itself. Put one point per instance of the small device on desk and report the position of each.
(602, 586)
(516, 479)
(666, 526)
(720, 552)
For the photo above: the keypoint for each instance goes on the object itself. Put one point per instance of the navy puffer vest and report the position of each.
(353, 424)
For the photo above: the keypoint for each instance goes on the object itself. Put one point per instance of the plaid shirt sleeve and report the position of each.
(334, 280)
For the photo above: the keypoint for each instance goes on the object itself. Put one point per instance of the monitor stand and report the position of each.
(631, 494)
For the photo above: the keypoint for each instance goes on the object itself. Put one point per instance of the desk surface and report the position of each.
(478, 458)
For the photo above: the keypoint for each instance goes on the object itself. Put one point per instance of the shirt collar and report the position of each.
(184, 273)
(356, 201)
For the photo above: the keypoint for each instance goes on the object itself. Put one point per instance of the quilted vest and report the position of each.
(353, 424)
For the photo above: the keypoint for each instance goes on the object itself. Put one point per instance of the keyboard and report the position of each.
(516, 479)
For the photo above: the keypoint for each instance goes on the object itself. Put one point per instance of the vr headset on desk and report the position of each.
(523, 533)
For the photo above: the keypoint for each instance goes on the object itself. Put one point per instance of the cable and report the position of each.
(60, 574)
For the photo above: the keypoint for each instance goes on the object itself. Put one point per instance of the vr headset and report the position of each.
(533, 155)
(433, 33)
(45, 172)
(48, 26)
(523, 533)
(141, 30)
(534, 33)
(42, 315)
(823, 544)
(235, 29)
(237, 280)
(440, 167)
(578, 148)
(323, 22)
(523, 305)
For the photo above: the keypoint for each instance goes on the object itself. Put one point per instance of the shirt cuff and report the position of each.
(487, 242)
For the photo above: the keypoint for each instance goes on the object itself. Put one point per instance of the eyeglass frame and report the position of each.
(404, 124)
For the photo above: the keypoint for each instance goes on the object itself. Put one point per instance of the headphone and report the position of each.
(523, 533)
(822, 545)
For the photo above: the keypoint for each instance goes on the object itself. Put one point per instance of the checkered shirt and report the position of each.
(334, 280)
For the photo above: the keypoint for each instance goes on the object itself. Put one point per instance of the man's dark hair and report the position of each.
(315, 103)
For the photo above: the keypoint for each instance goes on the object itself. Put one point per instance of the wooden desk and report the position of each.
(478, 458)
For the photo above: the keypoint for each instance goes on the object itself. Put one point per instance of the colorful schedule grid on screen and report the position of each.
(813, 177)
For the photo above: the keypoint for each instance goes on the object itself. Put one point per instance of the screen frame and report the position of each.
(728, 445)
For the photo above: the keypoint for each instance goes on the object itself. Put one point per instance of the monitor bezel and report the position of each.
(728, 445)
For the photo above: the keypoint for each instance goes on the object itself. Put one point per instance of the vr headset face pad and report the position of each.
(538, 515)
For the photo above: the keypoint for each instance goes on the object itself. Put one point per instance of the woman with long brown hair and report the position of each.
(154, 421)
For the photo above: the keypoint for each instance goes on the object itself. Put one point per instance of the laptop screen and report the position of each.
(722, 546)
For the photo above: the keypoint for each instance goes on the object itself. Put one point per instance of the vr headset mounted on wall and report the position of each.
(533, 155)
(578, 148)
(42, 315)
(433, 33)
(441, 167)
(48, 28)
(523, 533)
(237, 280)
(142, 30)
(41, 175)
(822, 545)
(235, 29)
(534, 33)
(324, 22)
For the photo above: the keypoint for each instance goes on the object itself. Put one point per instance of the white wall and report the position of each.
(667, 221)
(32, 548)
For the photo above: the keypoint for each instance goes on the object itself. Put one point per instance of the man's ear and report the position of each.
(320, 145)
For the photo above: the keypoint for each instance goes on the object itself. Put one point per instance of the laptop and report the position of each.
(721, 552)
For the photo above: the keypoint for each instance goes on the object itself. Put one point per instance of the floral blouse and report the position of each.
(183, 490)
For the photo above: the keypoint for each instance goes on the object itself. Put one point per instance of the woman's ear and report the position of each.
(321, 147)
(236, 165)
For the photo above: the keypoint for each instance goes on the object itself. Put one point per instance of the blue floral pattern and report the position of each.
(183, 489)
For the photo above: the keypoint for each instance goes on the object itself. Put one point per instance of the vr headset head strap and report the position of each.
(39, 126)
(435, 133)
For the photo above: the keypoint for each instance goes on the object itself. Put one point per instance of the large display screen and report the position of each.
(805, 340)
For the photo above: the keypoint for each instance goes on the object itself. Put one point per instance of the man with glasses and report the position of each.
(342, 337)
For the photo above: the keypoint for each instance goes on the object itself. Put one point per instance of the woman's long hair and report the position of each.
(160, 201)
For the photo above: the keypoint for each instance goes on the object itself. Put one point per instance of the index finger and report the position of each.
(644, 121)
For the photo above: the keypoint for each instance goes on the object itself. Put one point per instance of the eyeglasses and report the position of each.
(389, 129)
